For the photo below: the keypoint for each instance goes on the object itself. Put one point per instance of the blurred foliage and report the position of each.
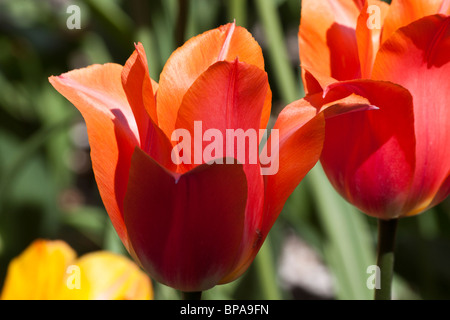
(47, 188)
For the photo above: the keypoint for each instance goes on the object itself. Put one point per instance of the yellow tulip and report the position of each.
(50, 270)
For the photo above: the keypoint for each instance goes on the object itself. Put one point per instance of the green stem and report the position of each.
(196, 295)
(385, 257)
(266, 272)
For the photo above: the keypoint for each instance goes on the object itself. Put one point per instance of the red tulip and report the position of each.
(395, 161)
(192, 225)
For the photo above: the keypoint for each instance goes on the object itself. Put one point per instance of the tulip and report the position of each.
(392, 162)
(191, 217)
(50, 270)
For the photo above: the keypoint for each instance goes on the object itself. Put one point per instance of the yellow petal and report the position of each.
(107, 276)
(38, 272)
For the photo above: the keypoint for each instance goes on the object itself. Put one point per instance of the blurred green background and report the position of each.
(320, 247)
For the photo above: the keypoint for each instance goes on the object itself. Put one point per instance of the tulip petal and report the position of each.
(301, 135)
(133, 75)
(140, 91)
(314, 81)
(229, 95)
(97, 92)
(368, 33)
(229, 99)
(300, 142)
(185, 229)
(38, 272)
(188, 62)
(48, 270)
(301, 132)
(370, 156)
(108, 276)
(417, 57)
(403, 12)
(442, 193)
(317, 83)
(327, 38)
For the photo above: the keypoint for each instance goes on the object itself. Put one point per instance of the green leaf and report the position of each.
(349, 248)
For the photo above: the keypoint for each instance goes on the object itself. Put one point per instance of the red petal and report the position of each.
(301, 132)
(442, 193)
(133, 75)
(369, 34)
(140, 92)
(230, 96)
(188, 62)
(418, 58)
(403, 12)
(301, 136)
(327, 38)
(97, 93)
(314, 81)
(369, 156)
(186, 230)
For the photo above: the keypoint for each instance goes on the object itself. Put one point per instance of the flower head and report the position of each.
(50, 270)
(395, 161)
(175, 163)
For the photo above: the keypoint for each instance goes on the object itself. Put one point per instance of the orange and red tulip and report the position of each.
(395, 161)
(191, 226)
